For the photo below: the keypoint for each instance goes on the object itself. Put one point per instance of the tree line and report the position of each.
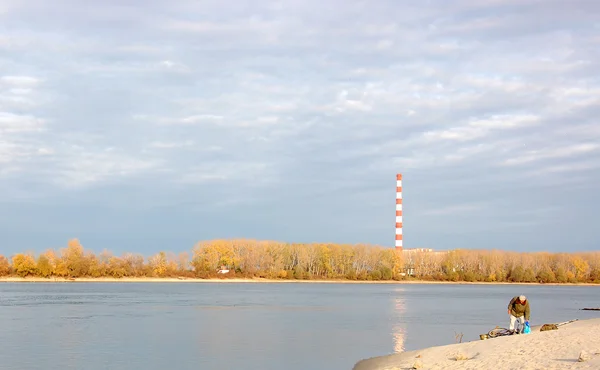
(276, 260)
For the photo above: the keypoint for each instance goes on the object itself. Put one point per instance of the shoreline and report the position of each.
(17, 279)
(574, 345)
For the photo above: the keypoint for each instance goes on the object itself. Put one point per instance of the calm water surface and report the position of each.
(252, 326)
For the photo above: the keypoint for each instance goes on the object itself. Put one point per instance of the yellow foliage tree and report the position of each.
(582, 268)
(158, 263)
(44, 266)
(4, 266)
(24, 264)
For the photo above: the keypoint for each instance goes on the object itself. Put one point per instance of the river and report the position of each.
(289, 326)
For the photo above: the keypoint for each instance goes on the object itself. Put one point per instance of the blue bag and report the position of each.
(527, 329)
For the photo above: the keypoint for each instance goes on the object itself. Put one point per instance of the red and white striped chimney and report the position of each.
(399, 212)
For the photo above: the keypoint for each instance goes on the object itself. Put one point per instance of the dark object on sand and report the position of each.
(501, 332)
(495, 333)
(547, 327)
(591, 309)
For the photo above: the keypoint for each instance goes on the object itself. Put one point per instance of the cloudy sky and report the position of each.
(150, 125)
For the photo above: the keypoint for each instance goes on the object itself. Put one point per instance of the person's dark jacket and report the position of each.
(517, 309)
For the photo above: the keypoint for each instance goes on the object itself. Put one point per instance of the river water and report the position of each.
(289, 326)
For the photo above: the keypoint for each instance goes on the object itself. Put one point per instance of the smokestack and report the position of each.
(399, 212)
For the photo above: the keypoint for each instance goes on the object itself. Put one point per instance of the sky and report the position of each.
(147, 126)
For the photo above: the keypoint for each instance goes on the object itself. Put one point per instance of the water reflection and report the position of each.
(399, 329)
(71, 323)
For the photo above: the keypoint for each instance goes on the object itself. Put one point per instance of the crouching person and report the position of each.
(518, 309)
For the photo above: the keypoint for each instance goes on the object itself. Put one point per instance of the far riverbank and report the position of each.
(18, 279)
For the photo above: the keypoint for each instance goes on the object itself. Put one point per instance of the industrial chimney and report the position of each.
(399, 212)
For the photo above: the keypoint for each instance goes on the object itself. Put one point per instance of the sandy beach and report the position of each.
(554, 349)
(32, 279)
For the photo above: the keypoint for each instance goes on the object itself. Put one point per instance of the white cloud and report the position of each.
(174, 66)
(186, 120)
(9, 151)
(18, 93)
(79, 167)
(571, 167)
(198, 119)
(12, 123)
(506, 121)
(20, 81)
(212, 28)
(45, 151)
(550, 153)
(479, 128)
(453, 209)
(251, 173)
(171, 144)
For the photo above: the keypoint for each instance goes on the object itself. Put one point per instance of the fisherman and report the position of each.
(518, 309)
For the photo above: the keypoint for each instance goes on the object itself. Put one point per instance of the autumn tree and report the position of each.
(4, 266)
(44, 266)
(24, 265)
(73, 262)
(134, 264)
(183, 262)
(158, 264)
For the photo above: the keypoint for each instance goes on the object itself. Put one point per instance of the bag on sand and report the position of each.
(527, 328)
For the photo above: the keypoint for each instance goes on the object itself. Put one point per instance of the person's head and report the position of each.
(522, 299)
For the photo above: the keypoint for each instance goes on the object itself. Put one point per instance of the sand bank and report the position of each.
(16, 279)
(555, 349)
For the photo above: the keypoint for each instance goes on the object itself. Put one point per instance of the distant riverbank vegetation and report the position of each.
(276, 260)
